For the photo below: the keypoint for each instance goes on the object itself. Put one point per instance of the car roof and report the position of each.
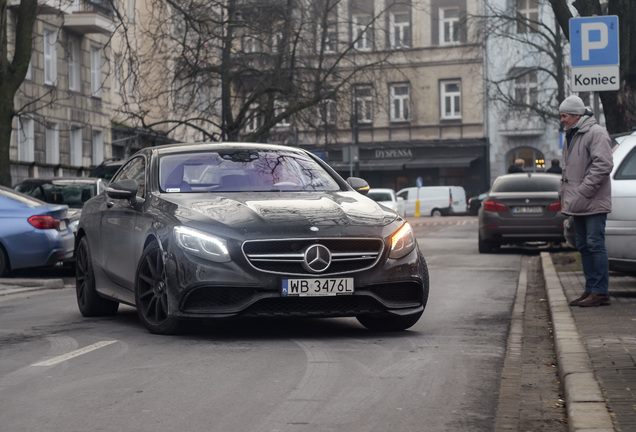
(195, 147)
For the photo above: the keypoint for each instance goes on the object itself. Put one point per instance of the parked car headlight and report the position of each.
(201, 244)
(402, 242)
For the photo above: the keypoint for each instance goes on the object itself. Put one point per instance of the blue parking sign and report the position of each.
(594, 41)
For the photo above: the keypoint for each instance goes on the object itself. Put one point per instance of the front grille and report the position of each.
(348, 255)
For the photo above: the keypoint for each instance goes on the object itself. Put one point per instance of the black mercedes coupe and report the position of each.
(204, 231)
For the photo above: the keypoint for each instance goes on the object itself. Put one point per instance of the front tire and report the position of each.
(151, 295)
(389, 323)
(90, 303)
(4, 262)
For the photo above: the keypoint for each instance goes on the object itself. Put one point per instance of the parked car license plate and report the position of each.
(317, 287)
(526, 210)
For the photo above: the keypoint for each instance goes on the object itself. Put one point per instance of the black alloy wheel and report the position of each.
(90, 303)
(151, 296)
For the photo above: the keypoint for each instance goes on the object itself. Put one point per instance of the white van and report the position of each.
(435, 200)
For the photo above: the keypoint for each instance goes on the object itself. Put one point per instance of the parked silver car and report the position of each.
(620, 231)
(388, 198)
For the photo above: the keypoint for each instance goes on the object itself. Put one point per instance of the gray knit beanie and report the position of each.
(572, 105)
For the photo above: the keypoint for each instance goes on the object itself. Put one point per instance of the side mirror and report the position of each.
(124, 189)
(360, 185)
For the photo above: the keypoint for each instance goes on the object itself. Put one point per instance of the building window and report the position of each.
(279, 108)
(526, 90)
(362, 32)
(96, 71)
(363, 104)
(130, 13)
(131, 77)
(327, 112)
(98, 147)
(74, 65)
(29, 74)
(330, 38)
(450, 103)
(277, 42)
(52, 143)
(26, 139)
(76, 146)
(449, 25)
(251, 44)
(400, 30)
(528, 16)
(399, 102)
(253, 121)
(50, 57)
(117, 77)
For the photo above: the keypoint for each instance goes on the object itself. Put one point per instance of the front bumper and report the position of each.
(198, 289)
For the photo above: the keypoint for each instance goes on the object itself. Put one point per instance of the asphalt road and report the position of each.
(61, 372)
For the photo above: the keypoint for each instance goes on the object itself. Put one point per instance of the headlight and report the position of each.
(402, 242)
(201, 244)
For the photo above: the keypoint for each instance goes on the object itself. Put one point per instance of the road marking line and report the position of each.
(73, 354)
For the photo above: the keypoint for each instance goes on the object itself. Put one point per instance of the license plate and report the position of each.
(526, 210)
(317, 287)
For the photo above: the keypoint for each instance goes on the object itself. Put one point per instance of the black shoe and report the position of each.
(575, 302)
(595, 300)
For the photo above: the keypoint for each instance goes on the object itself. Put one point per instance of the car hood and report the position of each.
(246, 209)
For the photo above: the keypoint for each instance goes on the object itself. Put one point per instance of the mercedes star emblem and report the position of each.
(317, 258)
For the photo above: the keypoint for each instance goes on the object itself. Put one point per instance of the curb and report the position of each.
(14, 286)
(586, 406)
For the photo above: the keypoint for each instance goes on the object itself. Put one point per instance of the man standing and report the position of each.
(517, 167)
(555, 168)
(586, 195)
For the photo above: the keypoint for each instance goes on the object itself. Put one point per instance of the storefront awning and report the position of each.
(461, 162)
(400, 164)
(373, 165)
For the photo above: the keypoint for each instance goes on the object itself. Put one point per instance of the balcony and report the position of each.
(90, 16)
(520, 123)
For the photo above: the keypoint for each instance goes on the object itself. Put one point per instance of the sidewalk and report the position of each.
(14, 286)
(596, 350)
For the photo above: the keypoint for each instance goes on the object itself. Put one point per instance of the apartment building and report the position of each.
(418, 115)
(63, 123)
(524, 47)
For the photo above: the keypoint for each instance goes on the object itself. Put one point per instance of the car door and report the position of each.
(119, 230)
(409, 201)
(621, 222)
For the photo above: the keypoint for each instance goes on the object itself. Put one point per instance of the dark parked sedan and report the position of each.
(32, 233)
(201, 231)
(521, 208)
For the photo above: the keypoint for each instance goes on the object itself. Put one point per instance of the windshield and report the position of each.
(244, 170)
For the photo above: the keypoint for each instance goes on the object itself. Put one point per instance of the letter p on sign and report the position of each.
(588, 42)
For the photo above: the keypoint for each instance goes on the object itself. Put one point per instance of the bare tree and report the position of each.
(13, 69)
(542, 66)
(619, 106)
(233, 69)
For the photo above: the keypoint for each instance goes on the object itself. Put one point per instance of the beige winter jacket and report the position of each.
(587, 163)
